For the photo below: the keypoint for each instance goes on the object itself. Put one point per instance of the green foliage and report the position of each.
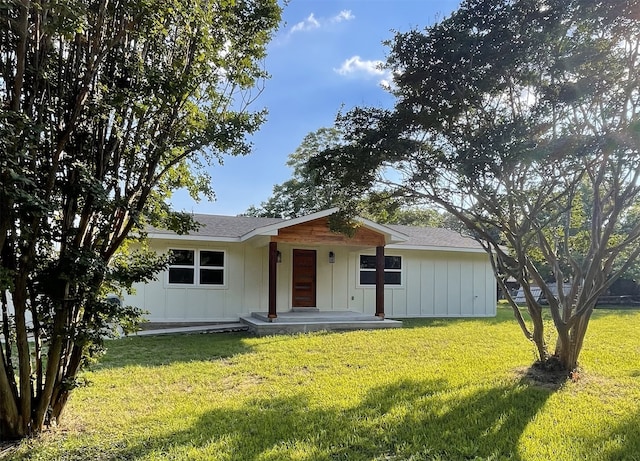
(519, 118)
(301, 195)
(106, 108)
(426, 391)
(306, 192)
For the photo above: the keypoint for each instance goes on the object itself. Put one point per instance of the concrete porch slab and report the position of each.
(316, 316)
(304, 322)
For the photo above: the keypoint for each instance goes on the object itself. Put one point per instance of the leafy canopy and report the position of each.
(521, 118)
(305, 193)
(105, 109)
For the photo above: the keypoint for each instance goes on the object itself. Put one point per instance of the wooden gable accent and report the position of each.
(317, 232)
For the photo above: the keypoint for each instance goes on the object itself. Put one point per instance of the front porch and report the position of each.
(313, 263)
(291, 322)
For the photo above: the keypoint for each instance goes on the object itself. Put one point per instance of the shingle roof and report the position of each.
(223, 226)
(232, 227)
(434, 237)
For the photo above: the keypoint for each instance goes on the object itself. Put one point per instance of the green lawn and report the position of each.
(436, 389)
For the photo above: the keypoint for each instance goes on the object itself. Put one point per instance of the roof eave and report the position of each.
(435, 248)
(191, 237)
(272, 229)
(391, 236)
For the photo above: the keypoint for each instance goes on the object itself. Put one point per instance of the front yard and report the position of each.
(434, 390)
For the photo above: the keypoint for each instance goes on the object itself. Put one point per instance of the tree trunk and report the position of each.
(563, 352)
(538, 333)
(10, 420)
(568, 350)
(568, 356)
(52, 370)
(24, 357)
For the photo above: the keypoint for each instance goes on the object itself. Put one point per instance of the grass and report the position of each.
(435, 390)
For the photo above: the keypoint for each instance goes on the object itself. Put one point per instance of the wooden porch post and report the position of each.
(380, 281)
(273, 266)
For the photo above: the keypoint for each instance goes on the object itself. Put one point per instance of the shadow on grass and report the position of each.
(404, 420)
(619, 442)
(176, 348)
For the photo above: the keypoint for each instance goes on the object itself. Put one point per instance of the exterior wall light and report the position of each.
(278, 257)
(332, 257)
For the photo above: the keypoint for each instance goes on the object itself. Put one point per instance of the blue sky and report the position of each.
(323, 58)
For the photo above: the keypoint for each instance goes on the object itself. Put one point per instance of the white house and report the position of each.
(233, 266)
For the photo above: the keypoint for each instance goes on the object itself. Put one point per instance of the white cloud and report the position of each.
(358, 66)
(386, 84)
(344, 15)
(311, 22)
(308, 24)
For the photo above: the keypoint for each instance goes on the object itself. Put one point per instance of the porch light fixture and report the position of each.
(332, 257)
(278, 257)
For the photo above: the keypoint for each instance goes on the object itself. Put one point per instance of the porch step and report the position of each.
(317, 316)
(304, 322)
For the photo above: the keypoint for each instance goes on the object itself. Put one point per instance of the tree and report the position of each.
(305, 193)
(578, 243)
(301, 195)
(387, 207)
(106, 108)
(506, 113)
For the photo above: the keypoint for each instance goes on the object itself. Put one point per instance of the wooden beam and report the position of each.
(380, 281)
(273, 267)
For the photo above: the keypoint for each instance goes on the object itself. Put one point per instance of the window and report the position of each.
(181, 267)
(392, 270)
(212, 268)
(207, 265)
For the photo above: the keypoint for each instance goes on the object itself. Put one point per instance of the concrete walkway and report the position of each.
(215, 328)
(260, 324)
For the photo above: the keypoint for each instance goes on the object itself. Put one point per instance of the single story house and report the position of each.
(234, 265)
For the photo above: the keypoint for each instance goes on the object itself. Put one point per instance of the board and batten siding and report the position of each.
(244, 274)
(434, 284)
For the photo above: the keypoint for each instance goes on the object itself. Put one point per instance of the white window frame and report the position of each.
(182, 266)
(196, 267)
(390, 285)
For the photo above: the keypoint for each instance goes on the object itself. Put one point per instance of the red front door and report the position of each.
(304, 278)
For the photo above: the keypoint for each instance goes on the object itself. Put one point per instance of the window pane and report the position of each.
(211, 276)
(367, 262)
(180, 275)
(367, 278)
(212, 258)
(393, 262)
(392, 278)
(182, 257)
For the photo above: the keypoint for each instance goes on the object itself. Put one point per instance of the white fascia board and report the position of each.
(435, 248)
(273, 229)
(391, 236)
(192, 238)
